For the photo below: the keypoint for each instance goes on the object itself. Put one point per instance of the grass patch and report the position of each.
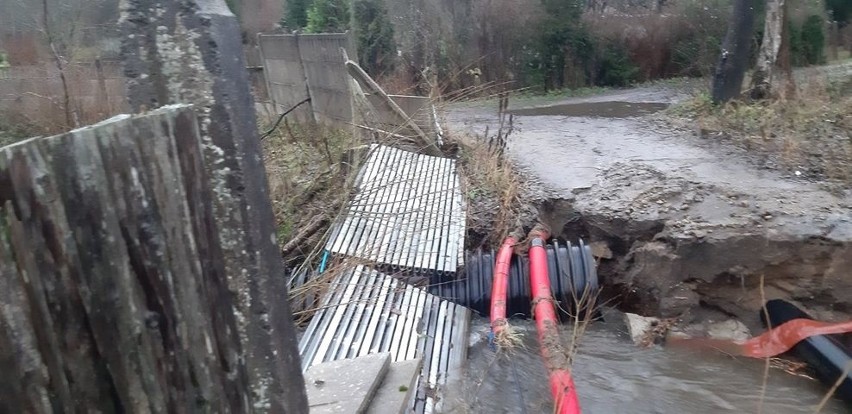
(807, 133)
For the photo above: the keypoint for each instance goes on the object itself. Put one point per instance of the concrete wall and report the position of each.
(419, 108)
(299, 66)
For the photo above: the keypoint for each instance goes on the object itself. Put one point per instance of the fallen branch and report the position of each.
(281, 117)
(381, 131)
(304, 234)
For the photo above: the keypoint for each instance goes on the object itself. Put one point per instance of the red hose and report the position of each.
(500, 285)
(561, 383)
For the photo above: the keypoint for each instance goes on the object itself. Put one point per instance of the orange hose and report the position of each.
(773, 342)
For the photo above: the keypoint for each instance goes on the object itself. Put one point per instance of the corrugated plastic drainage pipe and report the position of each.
(561, 384)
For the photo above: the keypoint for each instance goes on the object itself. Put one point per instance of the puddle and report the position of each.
(613, 109)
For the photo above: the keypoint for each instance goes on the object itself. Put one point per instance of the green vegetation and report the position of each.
(807, 42)
(297, 14)
(328, 16)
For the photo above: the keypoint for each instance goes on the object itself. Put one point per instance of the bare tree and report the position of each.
(71, 117)
(733, 60)
(761, 80)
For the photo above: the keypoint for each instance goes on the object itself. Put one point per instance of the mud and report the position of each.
(694, 229)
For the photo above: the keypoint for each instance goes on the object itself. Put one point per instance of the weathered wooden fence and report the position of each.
(139, 269)
(112, 279)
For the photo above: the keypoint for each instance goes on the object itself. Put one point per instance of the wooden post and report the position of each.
(112, 278)
(190, 51)
(428, 145)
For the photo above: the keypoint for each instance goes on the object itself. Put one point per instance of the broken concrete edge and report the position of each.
(346, 384)
(397, 389)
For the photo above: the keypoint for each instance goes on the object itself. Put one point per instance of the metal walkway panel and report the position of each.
(407, 212)
(367, 312)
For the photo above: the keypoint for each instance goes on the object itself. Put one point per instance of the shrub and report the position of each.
(812, 41)
(615, 68)
(328, 16)
(376, 46)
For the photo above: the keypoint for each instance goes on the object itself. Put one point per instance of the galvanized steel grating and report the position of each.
(367, 312)
(407, 213)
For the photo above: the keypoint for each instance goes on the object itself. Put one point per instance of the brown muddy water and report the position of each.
(608, 109)
(613, 376)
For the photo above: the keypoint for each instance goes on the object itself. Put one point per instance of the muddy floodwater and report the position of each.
(614, 376)
(686, 217)
(610, 109)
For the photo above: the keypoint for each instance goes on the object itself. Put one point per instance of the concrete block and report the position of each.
(639, 326)
(345, 386)
(730, 329)
(396, 389)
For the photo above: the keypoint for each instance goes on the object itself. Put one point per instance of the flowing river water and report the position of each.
(615, 376)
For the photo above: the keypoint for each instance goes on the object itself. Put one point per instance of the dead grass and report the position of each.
(493, 189)
(307, 180)
(808, 133)
(586, 305)
(33, 97)
(508, 338)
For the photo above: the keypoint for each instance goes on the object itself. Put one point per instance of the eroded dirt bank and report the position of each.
(685, 227)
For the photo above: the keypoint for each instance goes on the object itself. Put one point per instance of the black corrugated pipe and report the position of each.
(571, 270)
(826, 354)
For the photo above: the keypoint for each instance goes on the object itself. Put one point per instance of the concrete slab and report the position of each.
(392, 396)
(347, 385)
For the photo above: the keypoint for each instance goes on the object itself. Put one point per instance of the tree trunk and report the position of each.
(761, 80)
(834, 43)
(71, 117)
(784, 57)
(733, 61)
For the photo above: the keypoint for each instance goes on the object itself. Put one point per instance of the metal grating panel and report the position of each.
(407, 212)
(366, 312)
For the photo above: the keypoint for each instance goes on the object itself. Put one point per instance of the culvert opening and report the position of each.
(571, 269)
(652, 267)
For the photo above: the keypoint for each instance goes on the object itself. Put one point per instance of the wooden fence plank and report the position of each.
(113, 292)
